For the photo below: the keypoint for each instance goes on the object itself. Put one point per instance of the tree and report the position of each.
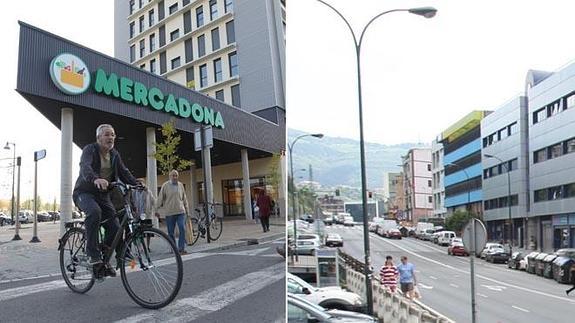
(274, 176)
(458, 220)
(166, 151)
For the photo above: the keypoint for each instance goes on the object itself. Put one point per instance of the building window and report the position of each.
(513, 128)
(203, 75)
(215, 39)
(141, 23)
(173, 8)
(152, 42)
(539, 115)
(161, 10)
(570, 190)
(132, 29)
(143, 66)
(190, 83)
(228, 6)
(430, 199)
(188, 49)
(151, 18)
(233, 62)
(185, 3)
(429, 167)
(132, 6)
(429, 183)
(187, 22)
(213, 9)
(174, 35)
(512, 164)
(555, 193)
(141, 3)
(142, 47)
(570, 101)
(163, 64)
(220, 95)
(230, 32)
(201, 45)
(153, 66)
(162, 32)
(199, 16)
(217, 70)
(132, 53)
(176, 62)
(236, 96)
(555, 151)
(554, 108)
(540, 155)
(570, 146)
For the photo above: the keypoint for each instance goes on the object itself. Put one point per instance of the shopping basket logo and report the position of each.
(70, 74)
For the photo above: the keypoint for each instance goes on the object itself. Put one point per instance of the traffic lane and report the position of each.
(496, 299)
(109, 301)
(497, 309)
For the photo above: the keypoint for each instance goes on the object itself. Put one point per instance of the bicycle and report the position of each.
(151, 272)
(198, 225)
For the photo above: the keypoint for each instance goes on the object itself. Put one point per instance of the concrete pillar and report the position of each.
(282, 189)
(193, 187)
(66, 184)
(246, 184)
(208, 185)
(151, 163)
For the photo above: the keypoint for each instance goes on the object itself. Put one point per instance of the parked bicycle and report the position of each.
(212, 230)
(150, 264)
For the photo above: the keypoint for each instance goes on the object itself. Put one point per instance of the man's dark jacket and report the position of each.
(90, 170)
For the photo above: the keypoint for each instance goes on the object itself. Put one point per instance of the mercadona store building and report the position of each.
(77, 89)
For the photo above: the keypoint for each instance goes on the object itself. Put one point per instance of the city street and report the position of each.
(502, 294)
(242, 284)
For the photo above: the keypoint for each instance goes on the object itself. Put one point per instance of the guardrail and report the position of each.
(388, 307)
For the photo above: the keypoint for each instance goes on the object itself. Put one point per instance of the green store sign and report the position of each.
(71, 75)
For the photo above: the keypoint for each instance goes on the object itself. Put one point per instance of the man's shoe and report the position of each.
(109, 271)
(93, 261)
(183, 252)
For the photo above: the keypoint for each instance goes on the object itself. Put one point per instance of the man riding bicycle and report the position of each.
(100, 164)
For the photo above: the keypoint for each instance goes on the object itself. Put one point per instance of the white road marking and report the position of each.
(192, 308)
(250, 252)
(432, 277)
(424, 286)
(529, 290)
(482, 295)
(521, 309)
(28, 290)
(453, 285)
(495, 288)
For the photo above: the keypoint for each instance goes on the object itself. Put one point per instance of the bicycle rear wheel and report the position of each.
(216, 228)
(74, 261)
(151, 271)
(192, 230)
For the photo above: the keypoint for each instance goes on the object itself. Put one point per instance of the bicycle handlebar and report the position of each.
(128, 187)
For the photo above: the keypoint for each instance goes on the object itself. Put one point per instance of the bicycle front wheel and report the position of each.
(216, 228)
(74, 261)
(151, 268)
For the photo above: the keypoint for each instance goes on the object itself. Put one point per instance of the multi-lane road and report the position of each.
(502, 294)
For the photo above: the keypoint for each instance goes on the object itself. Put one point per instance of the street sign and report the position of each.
(208, 138)
(480, 236)
(40, 154)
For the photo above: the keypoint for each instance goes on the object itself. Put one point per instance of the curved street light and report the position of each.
(290, 147)
(511, 227)
(427, 12)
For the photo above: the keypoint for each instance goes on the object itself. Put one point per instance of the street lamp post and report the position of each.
(290, 147)
(510, 228)
(468, 204)
(427, 12)
(13, 174)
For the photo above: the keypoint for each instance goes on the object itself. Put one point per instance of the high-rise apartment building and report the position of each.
(231, 50)
(417, 184)
(437, 174)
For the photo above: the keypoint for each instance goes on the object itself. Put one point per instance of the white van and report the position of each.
(445, 237)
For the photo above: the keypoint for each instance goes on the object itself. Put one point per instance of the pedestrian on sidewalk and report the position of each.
(255, 210)
(172, 204)
(407, 280)
(388, 274)
(264, 203)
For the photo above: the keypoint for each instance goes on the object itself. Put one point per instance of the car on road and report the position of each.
(496, 254)
(393, 234)
(489, 246)
(456, 248)
(372, 227)
(333, 240)
(328, 297)
(444, 237)
(348, 221)
(307, 217)
(302, 310)
(328, 220)
(307, 247)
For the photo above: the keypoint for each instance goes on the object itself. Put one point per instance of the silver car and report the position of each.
(301, 310)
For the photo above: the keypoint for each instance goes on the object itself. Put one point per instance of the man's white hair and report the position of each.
(100, 129)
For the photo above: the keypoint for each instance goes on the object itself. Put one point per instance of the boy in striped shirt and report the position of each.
(388, 274)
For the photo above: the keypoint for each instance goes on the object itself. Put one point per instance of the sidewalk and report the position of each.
(22, 259)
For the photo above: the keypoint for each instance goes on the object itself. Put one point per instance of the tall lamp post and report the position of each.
(427, 12)
(290, 147)
(510, 228)
(7, 147)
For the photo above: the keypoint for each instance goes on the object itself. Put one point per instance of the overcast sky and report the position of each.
(419, 75)
(90, 23)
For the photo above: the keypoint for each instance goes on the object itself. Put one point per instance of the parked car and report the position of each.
(302, 310)
(307, 247)
(309, 236)
(372, 227)
(43, 216)
(393, 234)
(307, 217)
(489, 246)
(333, 240)
(348, 221)
(496, 254)
(427, 235)
(444, 237)
(515, 260)
(25, 217)
(380, 231)
(328, 220)
(435, 237)
(5, 219)
(55, 215)
(456, 248)
(328, 297)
